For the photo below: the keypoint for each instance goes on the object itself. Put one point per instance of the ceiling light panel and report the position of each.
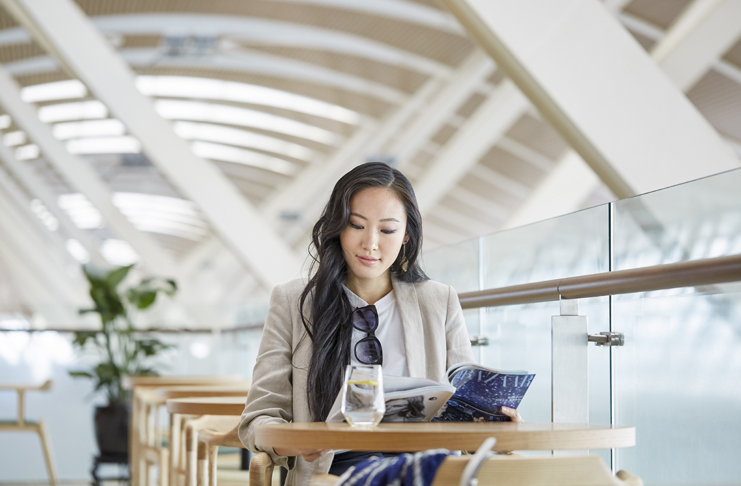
(59, 90)
(78, 110)
(234, 136)
(92, 128)
(104, 145)
(226, 153)
(214, 89)
(232, 115)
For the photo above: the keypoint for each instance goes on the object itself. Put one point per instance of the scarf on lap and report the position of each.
(416, 469)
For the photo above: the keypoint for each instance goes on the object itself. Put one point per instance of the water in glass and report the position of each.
(362, 395)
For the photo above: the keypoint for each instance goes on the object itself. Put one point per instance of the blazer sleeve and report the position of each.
(270, 399)
(456, 334)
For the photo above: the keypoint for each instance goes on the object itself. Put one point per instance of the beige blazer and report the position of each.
(431, 315)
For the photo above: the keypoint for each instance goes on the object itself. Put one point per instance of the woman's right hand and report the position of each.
(309, 455)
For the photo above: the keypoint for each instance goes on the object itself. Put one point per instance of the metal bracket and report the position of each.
(479, 341)
(608, 339)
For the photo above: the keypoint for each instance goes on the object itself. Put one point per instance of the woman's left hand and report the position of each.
(512, 413)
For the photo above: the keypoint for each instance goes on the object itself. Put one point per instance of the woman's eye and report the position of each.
(355, 226)
(388, 232)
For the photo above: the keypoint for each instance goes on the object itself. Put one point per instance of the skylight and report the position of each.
(78, 110)
(234, 136)
(118, 252)
(227, 153)
(28, 152)
(92, 128)
(232, 115)
(59, 90)
(104, 145)
(77, 251)
(43, 213)
(12, 139)
(214, 89)
(81, 211)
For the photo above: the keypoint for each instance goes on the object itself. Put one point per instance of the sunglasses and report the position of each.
(368, 350)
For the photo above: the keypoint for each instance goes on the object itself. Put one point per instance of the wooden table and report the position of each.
(176, 463)
(467, 436)
(207, 405)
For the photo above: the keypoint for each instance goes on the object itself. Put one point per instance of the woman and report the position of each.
(366, 245)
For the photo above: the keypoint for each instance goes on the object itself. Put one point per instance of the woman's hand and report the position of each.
(309, 455)
(512, 413)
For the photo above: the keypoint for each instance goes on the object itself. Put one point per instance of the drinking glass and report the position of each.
(362, 395)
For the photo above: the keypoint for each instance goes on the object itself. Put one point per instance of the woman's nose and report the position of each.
(370, 242)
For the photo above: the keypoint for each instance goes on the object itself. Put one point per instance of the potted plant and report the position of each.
(121, 349)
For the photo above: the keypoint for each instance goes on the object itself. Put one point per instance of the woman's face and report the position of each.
(373, 239)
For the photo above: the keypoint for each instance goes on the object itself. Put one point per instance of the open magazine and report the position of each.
(473, 393)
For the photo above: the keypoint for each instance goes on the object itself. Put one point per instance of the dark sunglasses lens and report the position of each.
(364, 319)
(368, 351)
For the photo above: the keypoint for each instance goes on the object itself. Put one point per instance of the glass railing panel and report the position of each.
(565, 246)
(456, 265)
(677, 381)
(699, 219)
(520, 339)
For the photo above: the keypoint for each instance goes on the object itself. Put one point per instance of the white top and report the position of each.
(389, 332)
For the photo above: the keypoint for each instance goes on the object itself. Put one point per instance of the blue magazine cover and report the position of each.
(481, 392)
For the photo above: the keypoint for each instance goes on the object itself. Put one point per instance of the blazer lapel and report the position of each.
(411, 319)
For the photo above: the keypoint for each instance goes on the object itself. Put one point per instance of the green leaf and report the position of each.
(81, 374)
(116, 276)
(145, 299)
(82, 337)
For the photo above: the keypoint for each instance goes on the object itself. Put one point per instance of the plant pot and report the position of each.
(112, 429)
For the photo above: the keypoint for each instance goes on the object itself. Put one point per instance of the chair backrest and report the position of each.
(534, 471)
(21, 390)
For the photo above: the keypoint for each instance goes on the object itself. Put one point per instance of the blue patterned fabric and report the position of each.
(416, 469)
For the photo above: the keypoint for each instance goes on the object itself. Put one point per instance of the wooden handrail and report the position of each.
(658, 277)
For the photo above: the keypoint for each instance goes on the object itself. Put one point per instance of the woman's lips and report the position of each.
(368, 260)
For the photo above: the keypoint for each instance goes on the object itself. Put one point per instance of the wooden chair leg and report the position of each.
(164, 467)
(191, 472)
(213, 452)
(202, 464)
(47, 454)
(261, 470)
(174, 446)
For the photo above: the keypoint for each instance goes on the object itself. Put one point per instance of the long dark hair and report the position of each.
(328, 324)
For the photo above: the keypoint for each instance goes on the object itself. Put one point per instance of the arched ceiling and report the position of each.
(283, 96)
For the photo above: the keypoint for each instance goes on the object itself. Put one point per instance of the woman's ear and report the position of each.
(406, 238)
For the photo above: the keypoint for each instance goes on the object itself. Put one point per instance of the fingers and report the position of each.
(512, 413)
(312, 455)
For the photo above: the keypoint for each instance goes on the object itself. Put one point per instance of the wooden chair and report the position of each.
(141, 426)
(210, 438)
(23, 425)
(482, 469)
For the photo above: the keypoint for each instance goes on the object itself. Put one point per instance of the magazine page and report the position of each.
(407, 399)
(481, 392)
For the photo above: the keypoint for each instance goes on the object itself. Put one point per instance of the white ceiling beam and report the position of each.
(705, 31)
(257, 31)
(522, 151)
(612, 104)
(62, 28)
(33, 288)
(566, 187)
(80, 176)
(308, 193)
(459, 86)
(454, 160)
(39, 190)
(238, 61)
(481, 203)
(38, 256)
(22, 204)
(693, 44)
(616, 5)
